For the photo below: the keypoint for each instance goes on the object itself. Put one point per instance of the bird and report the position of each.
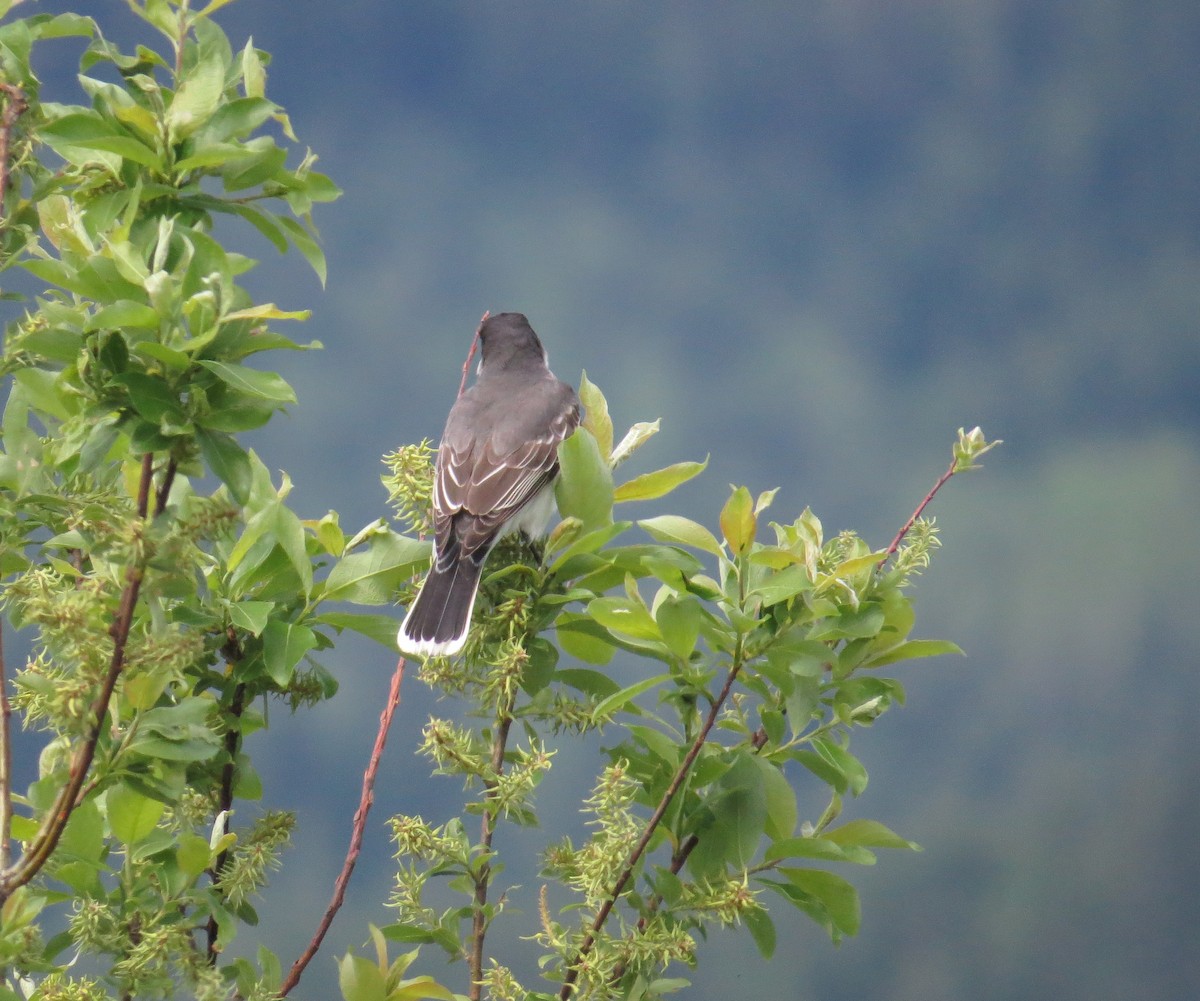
(494, 474)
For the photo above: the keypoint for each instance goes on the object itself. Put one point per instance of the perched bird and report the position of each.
(496, 468)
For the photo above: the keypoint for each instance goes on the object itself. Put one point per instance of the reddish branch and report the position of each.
(891, 550)
(471, 354)
(484, 877)
(356, 836)
(51, 830)
(639, 849)
(14, 107)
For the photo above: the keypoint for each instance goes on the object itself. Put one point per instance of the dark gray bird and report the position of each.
(496, 468)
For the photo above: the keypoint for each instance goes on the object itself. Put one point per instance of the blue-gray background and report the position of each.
(814, 238)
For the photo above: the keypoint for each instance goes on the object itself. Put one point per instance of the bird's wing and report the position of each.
(479, 486)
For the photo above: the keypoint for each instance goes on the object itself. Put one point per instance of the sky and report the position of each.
(815, 239)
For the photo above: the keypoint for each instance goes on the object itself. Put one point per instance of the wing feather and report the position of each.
(479, 487)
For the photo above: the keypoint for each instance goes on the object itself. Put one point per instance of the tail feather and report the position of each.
(437, 622)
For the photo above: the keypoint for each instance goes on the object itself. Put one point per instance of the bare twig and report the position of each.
(356, 836)
(46, 839)
(639, 849)
(15, 106)
(891, 550)
(462, 386)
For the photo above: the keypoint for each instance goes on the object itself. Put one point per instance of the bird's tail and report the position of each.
(437, 622)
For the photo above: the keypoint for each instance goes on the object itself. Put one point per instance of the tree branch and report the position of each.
(356, 836)
(483, 879)
(639, 849)
(14, 107)
(462, 386)
(46, 840)
(941, 482)
(228, 774)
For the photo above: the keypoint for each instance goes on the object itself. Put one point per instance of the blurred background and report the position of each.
(814, 238)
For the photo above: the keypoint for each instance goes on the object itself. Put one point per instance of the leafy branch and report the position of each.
(800, 626)
(47, 838)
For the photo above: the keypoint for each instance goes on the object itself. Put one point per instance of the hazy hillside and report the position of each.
(815, 239)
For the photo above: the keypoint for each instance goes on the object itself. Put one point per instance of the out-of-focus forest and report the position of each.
(815, 239)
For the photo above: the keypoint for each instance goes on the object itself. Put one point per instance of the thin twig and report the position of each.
(164, 488)
(652, 905)
(225, 804)
(14, 107)
(462, 386)
(891, 550)
(5, 764)
(483, 879)
(46, 839)
(639, 849)
(356, 836)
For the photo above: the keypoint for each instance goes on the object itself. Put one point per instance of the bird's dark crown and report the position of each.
(507, 338)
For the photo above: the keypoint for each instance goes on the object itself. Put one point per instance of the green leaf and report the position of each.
(380, 628)
(628, 618)
(197, 98)
(815, 848)
(634, 439)
(594, 683)
(122, 314)
(584, 638)
(304, 242)
(585, 489)
(83, 837)
(265, 223)
(251, 616)
(782, 814)
(863, 622)
(372, 577)
(421, 987)
(844, 762)
(868, 834)
(682, 531)
(618, 700)
(738, 523)
(236, 119)
(176, 360)
(229, 410)
(732, 822)
(649, 486)
(91, 132)
(193, 854)
(152, 397)
(228, 461)
(131, 815)
(784, 584)
(361, 980)
(596, 418)
(254, 77)
(762, 930)
(837, 897)
(284, 645)
(267, 311)
(912, 649)
(43, 392)
(251, 381)
(678, 621)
